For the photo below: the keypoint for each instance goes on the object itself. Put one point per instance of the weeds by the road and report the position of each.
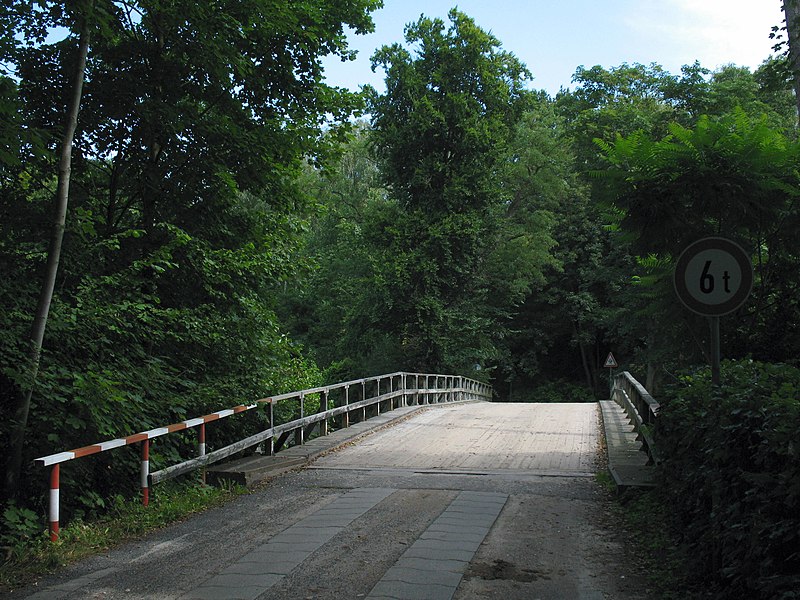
(662, 557)
(659, 556)
(31, 557)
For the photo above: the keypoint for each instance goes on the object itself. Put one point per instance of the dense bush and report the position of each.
(732, 477)
(554, 391)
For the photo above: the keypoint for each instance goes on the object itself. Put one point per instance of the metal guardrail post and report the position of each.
(364, 397)
(323, 405)
(271, 426)
(299, 438)
(55, 485)
(201, 447)
(346, 416)
(145, 472)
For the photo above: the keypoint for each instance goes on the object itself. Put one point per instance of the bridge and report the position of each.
(438, 494)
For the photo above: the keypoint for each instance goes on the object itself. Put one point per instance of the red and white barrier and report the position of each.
(54, 501)
(144, 437)
(145, 472)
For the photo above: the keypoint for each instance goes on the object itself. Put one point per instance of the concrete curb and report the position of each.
(627, 463)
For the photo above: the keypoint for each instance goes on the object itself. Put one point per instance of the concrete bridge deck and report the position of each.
(470, 500)
(484, 437)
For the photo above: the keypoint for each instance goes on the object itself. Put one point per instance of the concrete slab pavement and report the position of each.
(257, 571)
(432, 568)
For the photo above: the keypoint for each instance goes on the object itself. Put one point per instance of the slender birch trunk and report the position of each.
(791, 9)
(20, 423)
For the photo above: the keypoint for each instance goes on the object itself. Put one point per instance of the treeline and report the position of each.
(231, 233)
(185, 212)
(475, 226)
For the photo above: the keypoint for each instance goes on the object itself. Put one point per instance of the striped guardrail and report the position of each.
(438, 387)
(144, 438)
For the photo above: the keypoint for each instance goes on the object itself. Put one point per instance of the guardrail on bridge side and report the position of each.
(641, 408)
(386, 390)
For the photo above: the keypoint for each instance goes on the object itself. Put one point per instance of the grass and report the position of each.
(31, 557)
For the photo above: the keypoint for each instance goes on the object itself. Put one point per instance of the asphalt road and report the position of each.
(460, 501)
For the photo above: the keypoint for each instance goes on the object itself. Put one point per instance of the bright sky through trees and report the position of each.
(553, 38)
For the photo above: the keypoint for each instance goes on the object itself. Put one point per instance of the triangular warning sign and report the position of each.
(611, 362)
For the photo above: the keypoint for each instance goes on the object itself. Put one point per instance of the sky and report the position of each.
(554, 37)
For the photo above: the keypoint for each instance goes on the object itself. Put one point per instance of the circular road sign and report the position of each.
(713, 276)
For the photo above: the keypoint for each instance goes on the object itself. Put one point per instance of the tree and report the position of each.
(327, 309)
(619, 100)
(791, 10)
(441, 132)
(20, 418)
(629, 98)
(733, 177)
(185, 207)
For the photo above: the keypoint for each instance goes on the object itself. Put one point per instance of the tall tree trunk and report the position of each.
(791, 9)
(587, 370)
(20, 422)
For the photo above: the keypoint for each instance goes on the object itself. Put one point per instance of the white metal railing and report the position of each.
(382, 391)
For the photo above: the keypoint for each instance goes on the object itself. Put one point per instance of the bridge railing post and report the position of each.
(298, 433)
(145, 472)
(201, 447)
(323, 405)
(55, 501)
(271, 426)
(346, 415)
(364, 397)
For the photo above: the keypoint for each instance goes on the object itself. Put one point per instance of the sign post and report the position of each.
(713, 277)
(610, 364)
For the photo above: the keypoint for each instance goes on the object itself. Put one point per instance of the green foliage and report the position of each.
(19, 526)
(329, 310)
(645, 517)
(731, 176)
(185, 216)
(462, 241)
(553, 392)
(731, 475)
